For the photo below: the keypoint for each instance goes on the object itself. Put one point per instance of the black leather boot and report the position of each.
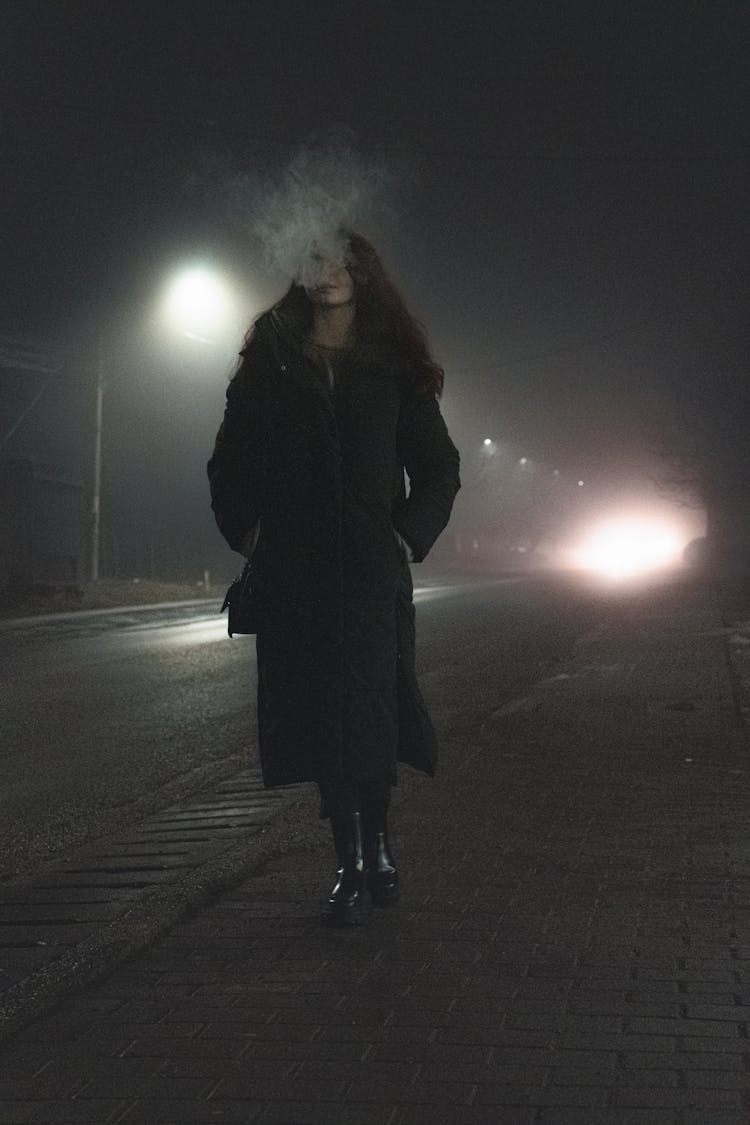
(382, 874)
(348, 903)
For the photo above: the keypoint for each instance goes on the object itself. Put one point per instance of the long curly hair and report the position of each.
(385, 329)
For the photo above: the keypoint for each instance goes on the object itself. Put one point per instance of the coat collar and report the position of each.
(286, 349)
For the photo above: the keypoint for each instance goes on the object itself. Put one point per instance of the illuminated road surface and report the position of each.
(107, 716)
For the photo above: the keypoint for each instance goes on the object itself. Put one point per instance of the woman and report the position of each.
(335, 397)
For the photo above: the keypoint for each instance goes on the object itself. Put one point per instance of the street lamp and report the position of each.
(200, 304)
(97, 491)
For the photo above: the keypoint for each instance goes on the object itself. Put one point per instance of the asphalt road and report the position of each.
(106, 717)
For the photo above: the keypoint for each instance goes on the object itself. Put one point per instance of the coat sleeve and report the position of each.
(236, 464)
(431, 461)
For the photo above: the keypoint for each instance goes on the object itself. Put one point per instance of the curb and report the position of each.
(149, 918)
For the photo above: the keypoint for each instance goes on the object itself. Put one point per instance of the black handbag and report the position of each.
(242, 601)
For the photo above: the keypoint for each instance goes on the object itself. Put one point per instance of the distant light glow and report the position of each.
(488, 441)
(626, 548)
(523, 461)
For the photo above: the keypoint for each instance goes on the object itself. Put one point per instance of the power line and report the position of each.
(25, 355)
(24, 413)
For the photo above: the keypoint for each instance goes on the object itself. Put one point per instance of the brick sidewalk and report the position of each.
(572, 946)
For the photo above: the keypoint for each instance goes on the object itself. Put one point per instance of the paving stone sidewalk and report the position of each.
(572, 946)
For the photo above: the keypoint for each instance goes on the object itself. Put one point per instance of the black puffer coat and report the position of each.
(323, 471)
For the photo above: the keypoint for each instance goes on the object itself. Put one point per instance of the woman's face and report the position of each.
(332, 285)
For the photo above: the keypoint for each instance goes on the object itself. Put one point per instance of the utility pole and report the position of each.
(96, 498)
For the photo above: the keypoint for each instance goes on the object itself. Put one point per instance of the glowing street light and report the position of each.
(199, 303)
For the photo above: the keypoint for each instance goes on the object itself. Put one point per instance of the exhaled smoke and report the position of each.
(299, 216)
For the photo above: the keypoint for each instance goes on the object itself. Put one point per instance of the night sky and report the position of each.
(567, 212)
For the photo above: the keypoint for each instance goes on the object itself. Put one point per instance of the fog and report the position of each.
(562, 204)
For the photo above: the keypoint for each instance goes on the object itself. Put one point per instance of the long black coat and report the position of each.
(323, 471)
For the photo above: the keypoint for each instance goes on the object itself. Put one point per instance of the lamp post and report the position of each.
(97, 489)
(200, 305)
